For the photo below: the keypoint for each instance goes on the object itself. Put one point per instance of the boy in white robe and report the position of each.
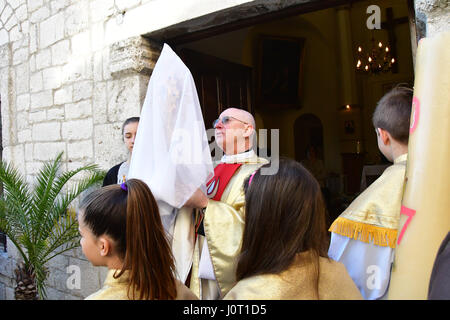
(363, 237)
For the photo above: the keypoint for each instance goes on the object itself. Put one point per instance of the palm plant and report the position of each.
(38, 220)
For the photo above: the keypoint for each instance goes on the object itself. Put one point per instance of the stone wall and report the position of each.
(63, 88)
(433, 16)
(71, 71)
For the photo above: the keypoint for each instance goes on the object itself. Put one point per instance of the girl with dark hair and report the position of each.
(285, 242)
(119, 172)
(120, 228)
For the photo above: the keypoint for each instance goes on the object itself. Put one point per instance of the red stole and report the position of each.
(214, 189)
(222, 175)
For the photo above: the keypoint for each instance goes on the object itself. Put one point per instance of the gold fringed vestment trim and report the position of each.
(364, 232)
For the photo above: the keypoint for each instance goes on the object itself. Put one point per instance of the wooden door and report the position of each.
(220, 84)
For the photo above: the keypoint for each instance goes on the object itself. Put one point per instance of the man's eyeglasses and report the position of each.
(225, 120)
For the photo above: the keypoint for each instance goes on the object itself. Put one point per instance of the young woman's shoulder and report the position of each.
(335, 283)
(184, 293)
(111, 175)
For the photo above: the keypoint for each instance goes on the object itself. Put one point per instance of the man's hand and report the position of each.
(197, 200)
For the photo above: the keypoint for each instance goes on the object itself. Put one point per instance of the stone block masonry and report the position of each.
(71, 71)
(59, 94)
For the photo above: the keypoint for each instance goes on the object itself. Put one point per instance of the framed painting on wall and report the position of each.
(279, 72)
(350, 124)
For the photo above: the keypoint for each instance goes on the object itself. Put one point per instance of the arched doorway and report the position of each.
(308, 131)
(308, 137)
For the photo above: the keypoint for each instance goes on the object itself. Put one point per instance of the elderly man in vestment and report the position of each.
(220, 229)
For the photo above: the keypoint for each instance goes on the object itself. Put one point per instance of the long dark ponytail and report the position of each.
(129, 215)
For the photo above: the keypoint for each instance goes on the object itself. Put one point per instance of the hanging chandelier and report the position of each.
(376, 60)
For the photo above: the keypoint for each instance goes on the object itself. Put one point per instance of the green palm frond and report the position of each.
(64, 237)
(16, 191)
(56, 201)
(42, 197)
(38, 219)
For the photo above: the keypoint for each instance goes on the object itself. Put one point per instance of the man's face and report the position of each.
(231, 134)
